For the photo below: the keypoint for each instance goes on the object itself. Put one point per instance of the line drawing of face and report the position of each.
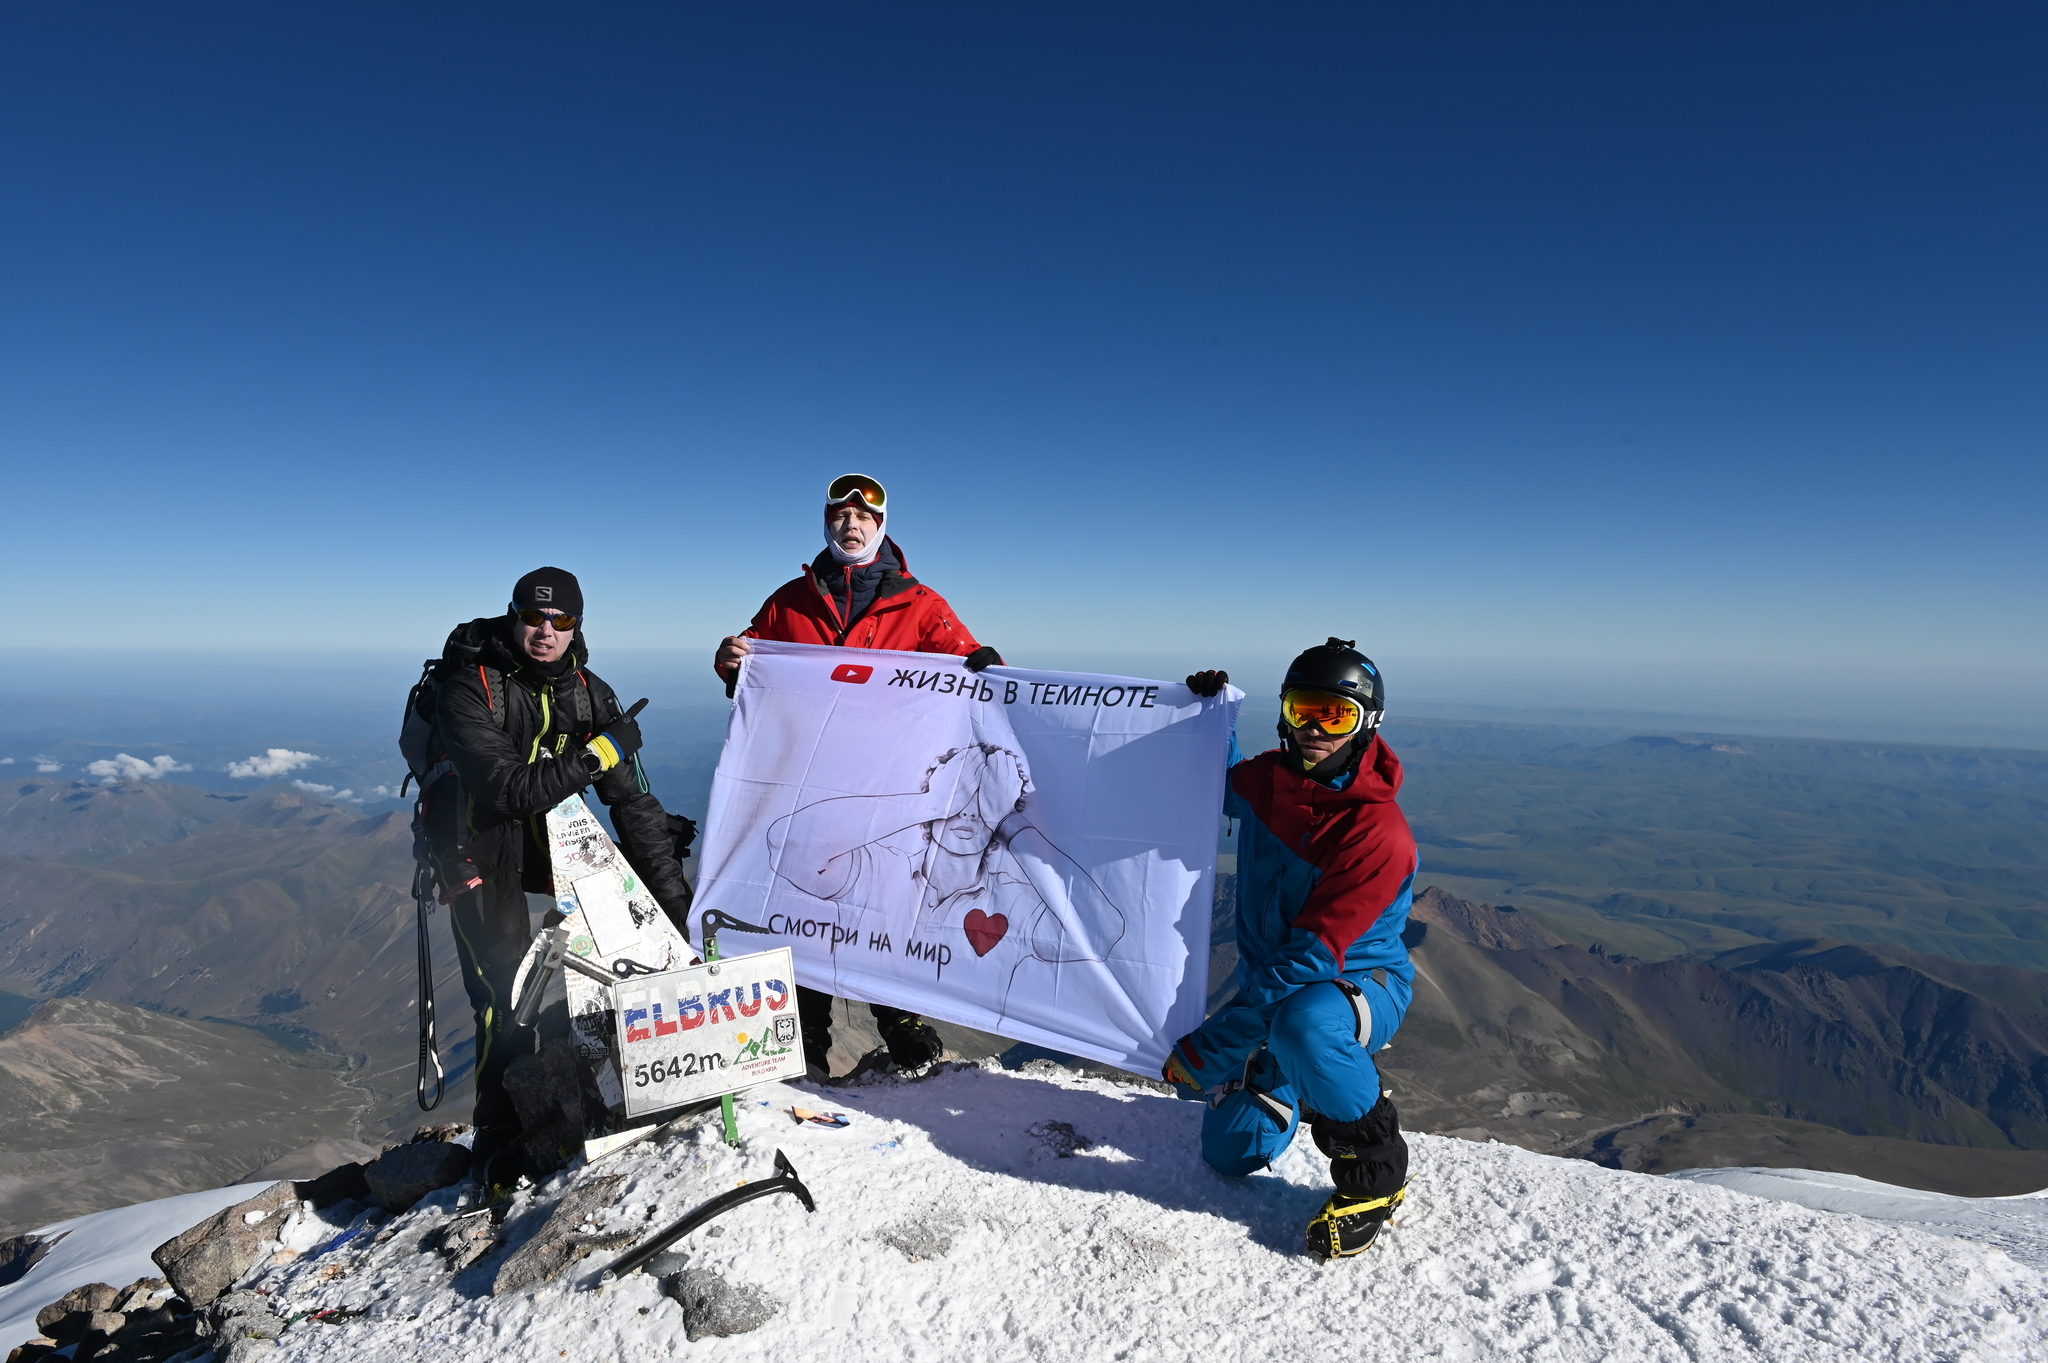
(964, 841)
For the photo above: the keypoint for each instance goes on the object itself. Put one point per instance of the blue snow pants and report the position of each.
(1312, 1061)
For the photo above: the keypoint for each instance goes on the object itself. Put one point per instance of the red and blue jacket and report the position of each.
(1325, 877)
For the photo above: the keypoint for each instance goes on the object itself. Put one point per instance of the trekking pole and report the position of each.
(430, 1048)
(713, 921)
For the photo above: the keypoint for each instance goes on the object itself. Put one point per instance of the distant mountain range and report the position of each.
(1841, 1051)
(1663, 845)
(280, 928)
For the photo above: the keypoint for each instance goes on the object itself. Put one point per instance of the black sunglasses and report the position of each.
(564, 624)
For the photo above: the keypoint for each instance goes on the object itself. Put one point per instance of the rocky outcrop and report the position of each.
(206, 1260)
(140, 1323)
(403, 1175)
(563, 1239)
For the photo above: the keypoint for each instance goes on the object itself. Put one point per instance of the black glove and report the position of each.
(1208, 683)
(682, 832)
(983, 657)
(618, 741)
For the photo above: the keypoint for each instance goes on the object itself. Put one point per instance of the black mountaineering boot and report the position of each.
(913, 1043)
(814, 1016)
(1369, 1165)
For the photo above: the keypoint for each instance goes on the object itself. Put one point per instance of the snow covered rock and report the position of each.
(562, 1241)
(204, 1261)
(241, 1315)
(713, 1306)
(465, 1240)
(400, 1177)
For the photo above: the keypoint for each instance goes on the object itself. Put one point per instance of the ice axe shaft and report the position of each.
(536, 985)
(785, 1181)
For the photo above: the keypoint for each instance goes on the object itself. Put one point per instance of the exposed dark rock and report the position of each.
(137, 1294)
(73, 1326)
(22, 1253)
(343, 1183)
(561, 1241)
(546, 1088)
(206, 1260)
(712, 1306)
(89, 1298)
(401, 1177)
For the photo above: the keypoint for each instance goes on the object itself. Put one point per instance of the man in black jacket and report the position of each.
(526, 725)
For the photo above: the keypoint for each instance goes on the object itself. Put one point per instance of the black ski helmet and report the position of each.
(1339, 668)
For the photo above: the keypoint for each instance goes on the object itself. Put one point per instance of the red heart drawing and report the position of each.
(984, 930)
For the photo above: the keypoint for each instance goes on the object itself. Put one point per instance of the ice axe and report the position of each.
(712, 923)
(785, 1181)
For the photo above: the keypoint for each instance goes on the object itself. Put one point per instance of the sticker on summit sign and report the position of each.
(717, 1028)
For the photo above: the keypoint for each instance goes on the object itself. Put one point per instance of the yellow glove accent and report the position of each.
(1176, 1071)
(607, 752)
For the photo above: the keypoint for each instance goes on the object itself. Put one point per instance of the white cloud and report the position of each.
(121, 767)
(327, 792)
(6, 761)
(47, 764)
(383, 793)
(275, 762)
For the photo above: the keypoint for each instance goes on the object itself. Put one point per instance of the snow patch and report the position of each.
(2017, 1225)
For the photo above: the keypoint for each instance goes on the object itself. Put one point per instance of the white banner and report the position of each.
(1027, 853)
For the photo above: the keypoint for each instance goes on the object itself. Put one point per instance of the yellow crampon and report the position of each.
(1348, 1226)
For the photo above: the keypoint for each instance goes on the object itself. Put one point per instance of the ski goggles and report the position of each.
(1336, 716)
(564, 624)
(852, 485)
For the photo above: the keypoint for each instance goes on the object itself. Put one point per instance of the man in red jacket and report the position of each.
(858, 594)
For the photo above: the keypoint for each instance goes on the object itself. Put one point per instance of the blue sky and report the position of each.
(1589, 336)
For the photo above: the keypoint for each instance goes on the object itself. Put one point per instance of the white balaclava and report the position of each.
(867, 555)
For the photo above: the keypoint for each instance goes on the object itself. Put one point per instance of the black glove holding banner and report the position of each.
(682, 832)
(619, 741)
(983, 657)
(1208, 683)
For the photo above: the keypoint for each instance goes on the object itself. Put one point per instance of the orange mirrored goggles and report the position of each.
(1336, 716)
(852, 485)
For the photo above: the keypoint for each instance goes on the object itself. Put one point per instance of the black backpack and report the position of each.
(442, 870)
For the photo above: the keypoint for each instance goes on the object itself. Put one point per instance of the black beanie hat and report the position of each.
(553, 589)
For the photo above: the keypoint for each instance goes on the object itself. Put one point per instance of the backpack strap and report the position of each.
(584, 721)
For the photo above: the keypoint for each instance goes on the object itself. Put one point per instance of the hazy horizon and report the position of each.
(280, 690)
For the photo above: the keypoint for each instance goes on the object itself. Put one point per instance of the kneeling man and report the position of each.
(1325, 873)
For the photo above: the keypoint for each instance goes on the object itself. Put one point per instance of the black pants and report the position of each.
(492, 932)
(814, 1015)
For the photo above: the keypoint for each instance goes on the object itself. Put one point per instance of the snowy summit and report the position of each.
(980, 1213)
